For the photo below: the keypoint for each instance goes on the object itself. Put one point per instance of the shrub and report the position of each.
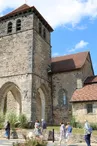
(73, 121)
(32, 142)
(79, 125)
(12, 118)
(2, 119)
(94, 126)
(22, 120)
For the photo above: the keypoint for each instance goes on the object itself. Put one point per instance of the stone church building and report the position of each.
(31, 82)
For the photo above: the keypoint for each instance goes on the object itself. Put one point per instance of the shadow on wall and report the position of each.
(64, 65)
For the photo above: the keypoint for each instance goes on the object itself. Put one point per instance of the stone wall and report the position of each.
(68, 82)
(25, 56)
(41, 60)
(22, 84)
(80, 112)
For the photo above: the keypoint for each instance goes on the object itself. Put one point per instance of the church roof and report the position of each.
(91, 80)
(68, 62)
(87, 93)
(24, 9)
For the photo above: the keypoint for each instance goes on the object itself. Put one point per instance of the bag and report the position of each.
(90, 129)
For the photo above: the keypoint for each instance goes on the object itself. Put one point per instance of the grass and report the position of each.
(75, 130)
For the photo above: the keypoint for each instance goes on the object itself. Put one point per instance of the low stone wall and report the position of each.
(75, 138)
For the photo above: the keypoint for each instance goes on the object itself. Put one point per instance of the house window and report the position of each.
(18, 25)
(89, 108)
(44, 33)
(62, 99)
(9, 29)
(40, 28)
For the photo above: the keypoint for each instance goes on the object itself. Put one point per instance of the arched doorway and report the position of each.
(10, 98)
(40, 104)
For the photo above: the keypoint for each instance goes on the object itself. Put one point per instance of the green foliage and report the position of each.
(12, 118)
(94, 126)
(22, 120)
(32, 142)
(73, 122)
(2, 119)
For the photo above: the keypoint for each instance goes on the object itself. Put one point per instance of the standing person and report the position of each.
(7, 130)
(43, 125)
(37, 129)
(87, 132)
(62, 132)
(68, 131)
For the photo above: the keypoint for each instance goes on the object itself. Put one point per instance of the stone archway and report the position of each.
(40, 104)
(10, 98)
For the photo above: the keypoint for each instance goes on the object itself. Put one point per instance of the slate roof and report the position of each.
(23, 9)
(68, 62)
(87, 93)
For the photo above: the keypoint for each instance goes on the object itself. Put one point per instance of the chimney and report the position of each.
(79, 83)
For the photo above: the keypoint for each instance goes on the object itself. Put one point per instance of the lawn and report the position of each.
(75, 130)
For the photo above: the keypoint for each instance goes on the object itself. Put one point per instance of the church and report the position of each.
(31, 81)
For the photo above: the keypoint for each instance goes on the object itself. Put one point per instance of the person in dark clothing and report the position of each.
(44, 126)
(7, 130)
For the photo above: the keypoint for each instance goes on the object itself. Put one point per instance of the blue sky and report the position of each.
(74, 23)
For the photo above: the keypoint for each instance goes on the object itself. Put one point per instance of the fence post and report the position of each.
(53, 135)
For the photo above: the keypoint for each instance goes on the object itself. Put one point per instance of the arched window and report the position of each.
(9, 28)
(44, 33)
(18, 25)
(40, 28)
(62, 99)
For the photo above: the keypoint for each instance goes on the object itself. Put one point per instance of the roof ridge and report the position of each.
(71, 54)
(22, 7)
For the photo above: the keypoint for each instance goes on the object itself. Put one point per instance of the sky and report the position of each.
(74, 23)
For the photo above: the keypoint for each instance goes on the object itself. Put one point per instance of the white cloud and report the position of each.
(58, 12)
(82, 44)
(55, 54)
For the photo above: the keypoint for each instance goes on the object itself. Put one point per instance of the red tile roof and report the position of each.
(68, 62)
(25, 8)
(87, 93)
(91, 80)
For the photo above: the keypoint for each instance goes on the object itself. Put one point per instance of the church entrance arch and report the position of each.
(10, 98)
(40, 104)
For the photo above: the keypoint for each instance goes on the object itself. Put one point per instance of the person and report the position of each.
(62, 132)
(7, 130)
(68, 132)
(37, 129)
(43, 125)
(87, 132)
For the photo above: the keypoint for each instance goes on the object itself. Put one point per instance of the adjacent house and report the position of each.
(84, 101)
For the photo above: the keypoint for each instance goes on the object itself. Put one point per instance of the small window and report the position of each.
(40, 28)
(89, 108)
(44, 33)
(18, 25)
(9, 29)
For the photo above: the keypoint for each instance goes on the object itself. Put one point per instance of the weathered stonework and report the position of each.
(80, 112)
(68, 82)
(25, 57)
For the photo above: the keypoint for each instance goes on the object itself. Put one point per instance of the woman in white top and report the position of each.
(62, 132)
